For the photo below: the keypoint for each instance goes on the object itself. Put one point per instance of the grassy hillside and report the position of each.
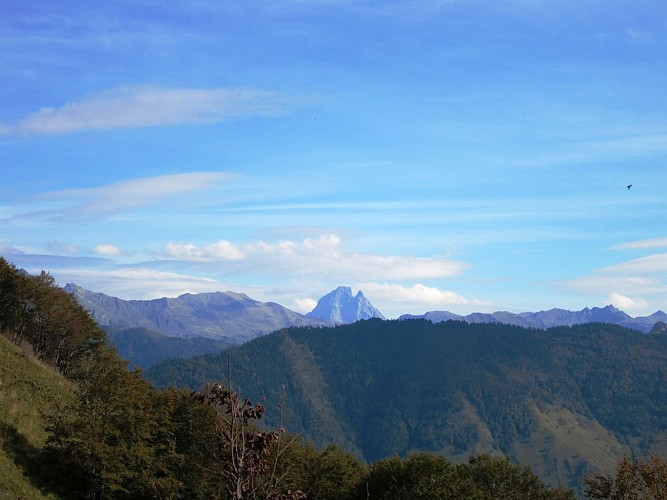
(28, 391)
(567, 401)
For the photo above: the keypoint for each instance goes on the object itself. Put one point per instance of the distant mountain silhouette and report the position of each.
(232, 317)
(550, 318)
(340, 306)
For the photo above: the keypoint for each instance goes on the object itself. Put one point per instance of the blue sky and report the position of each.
(438, 155)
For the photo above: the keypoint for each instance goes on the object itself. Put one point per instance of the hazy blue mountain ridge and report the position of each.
(229, 316)
(550, 318)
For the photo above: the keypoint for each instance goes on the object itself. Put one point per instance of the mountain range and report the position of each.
(551, 318)
(229, 316)
(236, 318)
(146, 332)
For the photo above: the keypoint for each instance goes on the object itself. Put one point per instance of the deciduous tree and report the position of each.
(634, 480)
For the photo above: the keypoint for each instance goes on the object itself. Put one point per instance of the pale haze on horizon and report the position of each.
(437, 155)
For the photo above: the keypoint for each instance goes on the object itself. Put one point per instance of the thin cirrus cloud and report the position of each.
(121, 196)
(136, 106)
(601, 284)
(137, 283)
(629, 145)
(656, 263)
(324, 257)
(642, 244)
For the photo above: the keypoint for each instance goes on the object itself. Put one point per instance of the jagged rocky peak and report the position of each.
(341, 306)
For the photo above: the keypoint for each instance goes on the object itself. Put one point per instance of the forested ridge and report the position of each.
(569, 401)
(144, 348)
(100, 430)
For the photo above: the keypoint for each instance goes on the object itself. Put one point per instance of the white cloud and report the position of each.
(325, 258)
(220, 250)
(303, 306)
(107, 249)
(418, 295)
(146, 106)
(626, 303)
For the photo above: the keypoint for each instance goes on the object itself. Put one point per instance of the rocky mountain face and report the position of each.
(341, 307)
(232, 317)
(551, 318)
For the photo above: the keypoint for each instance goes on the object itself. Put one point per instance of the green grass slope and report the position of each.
(28, 391)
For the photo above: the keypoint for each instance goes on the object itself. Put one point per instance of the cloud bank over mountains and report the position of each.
(283, 267)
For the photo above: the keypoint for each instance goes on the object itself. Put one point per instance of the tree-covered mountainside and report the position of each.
(76, 424)
(143, 348)
(567, 401)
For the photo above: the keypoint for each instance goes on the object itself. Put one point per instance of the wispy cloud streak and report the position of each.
(148, 106)
(642, 244)
(86, 203)
(650, 264)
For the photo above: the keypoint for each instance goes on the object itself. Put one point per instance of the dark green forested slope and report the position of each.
(144, 348)
(567, 401)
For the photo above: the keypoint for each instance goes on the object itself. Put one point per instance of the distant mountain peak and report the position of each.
(340, 306)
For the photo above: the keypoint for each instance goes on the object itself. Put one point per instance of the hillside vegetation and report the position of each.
(144, 348)
(75, 423)
(568, 401)
(29, 392)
